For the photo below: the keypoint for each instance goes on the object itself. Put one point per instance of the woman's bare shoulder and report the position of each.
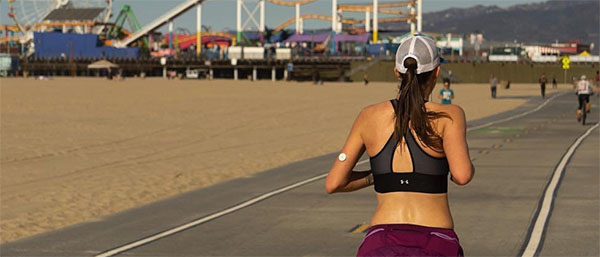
(384, 105)
(454, 111)
(377, 109)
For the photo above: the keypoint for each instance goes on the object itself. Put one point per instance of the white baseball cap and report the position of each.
(583, 77)
(422, 49)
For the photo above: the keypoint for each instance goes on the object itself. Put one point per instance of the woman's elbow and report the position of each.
(330, 188)
(461, 181)
(463, 178)
(331, 185)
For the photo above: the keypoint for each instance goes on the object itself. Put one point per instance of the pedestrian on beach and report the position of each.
(543, 80)
(413, 145)
(290, 69)
(446, 94)
(554, 83)
(493, 84)
(597, 82)
(366, 78)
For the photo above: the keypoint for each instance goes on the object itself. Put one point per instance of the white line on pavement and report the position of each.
(548, 198)
(211, 217)
(515, 116)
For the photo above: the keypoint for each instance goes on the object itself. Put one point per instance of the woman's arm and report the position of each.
(341, 178)
(455, 147)
(358, 180)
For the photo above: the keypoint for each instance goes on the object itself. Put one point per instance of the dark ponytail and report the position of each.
(411, 111)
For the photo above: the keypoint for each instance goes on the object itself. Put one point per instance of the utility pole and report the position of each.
(375, 20)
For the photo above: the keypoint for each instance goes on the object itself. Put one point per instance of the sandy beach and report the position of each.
(77, 149)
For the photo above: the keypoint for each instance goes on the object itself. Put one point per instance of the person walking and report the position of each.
(446, 94)
(493, 84)
(597, 82)
(413, 144)
(543, 80)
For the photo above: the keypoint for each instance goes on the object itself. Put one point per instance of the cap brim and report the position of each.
(442, 60)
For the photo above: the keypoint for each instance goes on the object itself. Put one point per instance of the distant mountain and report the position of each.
(532, 23)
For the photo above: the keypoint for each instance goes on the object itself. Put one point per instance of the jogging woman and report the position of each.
(412, 144)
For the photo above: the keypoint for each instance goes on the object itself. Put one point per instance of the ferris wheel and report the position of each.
(26, 14)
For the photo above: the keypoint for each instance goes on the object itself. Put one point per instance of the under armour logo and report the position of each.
(402, 182)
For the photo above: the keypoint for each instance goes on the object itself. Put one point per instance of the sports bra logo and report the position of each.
(402, 181)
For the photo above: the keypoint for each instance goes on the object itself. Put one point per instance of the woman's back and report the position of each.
(406, 207)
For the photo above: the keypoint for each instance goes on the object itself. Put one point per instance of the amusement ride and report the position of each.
(93, 16)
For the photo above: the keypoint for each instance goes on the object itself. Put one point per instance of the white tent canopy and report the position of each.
(102, 64)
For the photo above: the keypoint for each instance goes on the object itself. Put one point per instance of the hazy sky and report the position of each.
(220, 14)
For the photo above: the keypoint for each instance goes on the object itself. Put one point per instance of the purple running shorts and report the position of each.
(409, 240)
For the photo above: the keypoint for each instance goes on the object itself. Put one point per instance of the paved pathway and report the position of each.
(514, 160)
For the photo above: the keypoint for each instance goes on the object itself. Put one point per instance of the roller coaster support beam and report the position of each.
(170, 34)
(252, 22)
(333, 24)
(419, 15)
(239, 21)
(298, 19)
(412, 22)
(368, 21)
(375, 20)
(262, 22)
(198, 29)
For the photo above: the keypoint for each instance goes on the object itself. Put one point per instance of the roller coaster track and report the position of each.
(395, 19)
(366, 7)
(346, 21)
(310, 17)
(180, 9)
(208, 34)
(183, 7)
(385, 8)
(291, 3)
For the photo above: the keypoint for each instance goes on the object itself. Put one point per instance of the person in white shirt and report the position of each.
(583, 90)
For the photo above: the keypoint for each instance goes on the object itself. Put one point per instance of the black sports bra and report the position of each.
(430, 174)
